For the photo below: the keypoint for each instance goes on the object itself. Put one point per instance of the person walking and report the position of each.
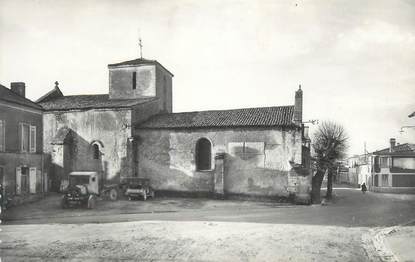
(364, 188)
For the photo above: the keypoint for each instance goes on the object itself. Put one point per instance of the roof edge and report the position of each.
(31, 103)
(122, 65)
(49, 95)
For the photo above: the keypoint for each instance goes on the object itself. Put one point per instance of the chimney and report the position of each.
(298, 107)
(18, 88)
(392, 144)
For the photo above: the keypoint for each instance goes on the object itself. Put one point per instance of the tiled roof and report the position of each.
(139, 61)
(402, 149)
(52, 94)
(262, 116)
(11, 97)
(90, 102)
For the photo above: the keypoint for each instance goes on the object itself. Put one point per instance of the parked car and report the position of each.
(139, 188)
(78, 195)
(85, 187)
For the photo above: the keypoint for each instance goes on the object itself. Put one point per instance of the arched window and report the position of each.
(203, 154)
(95, 149)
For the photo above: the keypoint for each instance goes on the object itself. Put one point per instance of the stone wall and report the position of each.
(10, 161)
(14, 116)
(256, 160)
(164, 89)
(121, 82)
(110, 128)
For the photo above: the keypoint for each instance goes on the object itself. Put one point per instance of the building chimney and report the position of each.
(18, 88)
(298, 107)
(392, 144)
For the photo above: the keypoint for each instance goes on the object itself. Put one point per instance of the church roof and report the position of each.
(90, 102)
(402, 149)
(10, 96)
(139, 61)
(246, 117)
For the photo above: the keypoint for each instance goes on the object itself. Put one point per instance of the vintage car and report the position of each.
(78, 195)
(84, 188)
(139, 188)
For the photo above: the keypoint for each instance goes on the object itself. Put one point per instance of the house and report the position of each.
(394, 169)
(132, 132)
(358, 170)
(21, 160)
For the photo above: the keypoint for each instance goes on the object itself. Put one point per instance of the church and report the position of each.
(132, 132)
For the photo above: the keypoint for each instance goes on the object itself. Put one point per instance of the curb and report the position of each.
(374, 243)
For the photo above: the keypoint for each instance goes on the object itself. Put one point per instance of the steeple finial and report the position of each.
(56, 84)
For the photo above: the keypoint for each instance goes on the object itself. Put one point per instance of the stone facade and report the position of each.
(21, 159)
(109, 129)
(259, 152)
(251, 161)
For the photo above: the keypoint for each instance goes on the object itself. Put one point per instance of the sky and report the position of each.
(355, 60)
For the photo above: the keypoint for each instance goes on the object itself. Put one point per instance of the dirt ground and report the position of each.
(402, 243)
(180, 229)
(181, 241)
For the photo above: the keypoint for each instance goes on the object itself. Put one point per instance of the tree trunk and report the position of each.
(316, 186)
(329, 184)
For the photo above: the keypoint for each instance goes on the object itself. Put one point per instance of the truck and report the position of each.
(85, 187)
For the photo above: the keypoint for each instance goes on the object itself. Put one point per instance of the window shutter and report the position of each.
(18, 180)
(32, 180)
(20, 135)
(32, 139)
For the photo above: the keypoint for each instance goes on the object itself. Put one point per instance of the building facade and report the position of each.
(94, 132)
(21, 159)
(359, 169)
(394, 169)
(132, 132)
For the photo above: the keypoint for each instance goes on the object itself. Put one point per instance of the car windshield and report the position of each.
(78, 180)
(135, 186)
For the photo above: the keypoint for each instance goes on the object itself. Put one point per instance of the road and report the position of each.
(207, 230)
(351, 209)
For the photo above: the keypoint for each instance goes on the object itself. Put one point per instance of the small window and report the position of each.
(134, 80)
(2, 136)
(27, 138)
(203, 154)
(383, 162)
(95, 148)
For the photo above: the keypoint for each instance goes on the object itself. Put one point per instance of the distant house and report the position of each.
(358, 170)
(21, 158)
(394, 169)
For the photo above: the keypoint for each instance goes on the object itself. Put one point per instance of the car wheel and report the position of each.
(113, 194)
(64, 204)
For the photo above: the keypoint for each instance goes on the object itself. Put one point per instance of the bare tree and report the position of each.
(330, 145)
